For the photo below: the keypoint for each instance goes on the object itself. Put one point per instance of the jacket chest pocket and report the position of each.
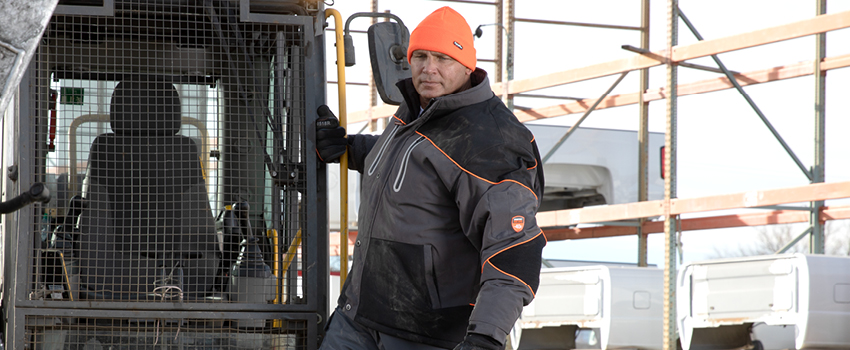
(405, 160)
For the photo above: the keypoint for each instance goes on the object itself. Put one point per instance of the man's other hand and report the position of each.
(330, 137)
(474, 341)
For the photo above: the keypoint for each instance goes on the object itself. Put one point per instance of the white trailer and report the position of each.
(791, 301)
(597, 306)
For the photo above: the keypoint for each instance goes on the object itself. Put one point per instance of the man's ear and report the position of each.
(468, 71)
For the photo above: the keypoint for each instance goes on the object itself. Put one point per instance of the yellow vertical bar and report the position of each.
(278, 297)
(293, 250)
(343, 161)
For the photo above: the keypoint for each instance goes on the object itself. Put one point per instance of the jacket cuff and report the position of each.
(352, 159)
(489, 330)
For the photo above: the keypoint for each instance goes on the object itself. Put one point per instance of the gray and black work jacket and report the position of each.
(448, 241)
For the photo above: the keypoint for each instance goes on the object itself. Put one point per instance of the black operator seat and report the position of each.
(148, 232)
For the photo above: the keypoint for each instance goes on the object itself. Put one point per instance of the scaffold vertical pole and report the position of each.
(670, 225)
(498, 51)
(643, 133)
(509, 64)
(817, 241)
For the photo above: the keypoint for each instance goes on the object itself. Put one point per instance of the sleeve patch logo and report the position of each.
(517, 223)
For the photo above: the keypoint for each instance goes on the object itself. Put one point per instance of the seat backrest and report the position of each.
(147, 206)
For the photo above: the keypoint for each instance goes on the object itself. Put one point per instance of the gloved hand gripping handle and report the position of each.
(331, 142)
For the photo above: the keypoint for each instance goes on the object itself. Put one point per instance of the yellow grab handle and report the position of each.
(343, 160)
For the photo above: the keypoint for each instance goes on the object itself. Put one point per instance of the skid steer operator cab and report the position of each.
(147, 223)
(188, 208)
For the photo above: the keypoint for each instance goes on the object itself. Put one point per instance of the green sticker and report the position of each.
(72, 96)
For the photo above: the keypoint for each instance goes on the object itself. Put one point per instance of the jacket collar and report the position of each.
(479, 92)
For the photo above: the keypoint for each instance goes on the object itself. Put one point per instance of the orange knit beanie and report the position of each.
(444, 31)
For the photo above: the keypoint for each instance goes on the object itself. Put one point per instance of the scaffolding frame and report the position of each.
(632, 218)
(814, 26)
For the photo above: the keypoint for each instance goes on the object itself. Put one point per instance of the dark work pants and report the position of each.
(344, 334)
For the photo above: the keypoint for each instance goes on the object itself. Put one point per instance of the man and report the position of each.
(448, 250)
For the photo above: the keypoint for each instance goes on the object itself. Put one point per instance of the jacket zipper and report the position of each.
(399, 179)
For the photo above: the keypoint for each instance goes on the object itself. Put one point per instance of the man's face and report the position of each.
(436, 74)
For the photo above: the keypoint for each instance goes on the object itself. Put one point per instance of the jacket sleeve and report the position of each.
(359, 146)
(511, 244)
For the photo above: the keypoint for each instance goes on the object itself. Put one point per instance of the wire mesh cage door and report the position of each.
(174, 137)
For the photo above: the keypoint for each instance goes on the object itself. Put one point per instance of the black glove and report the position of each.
(330, 137)
(475, 341)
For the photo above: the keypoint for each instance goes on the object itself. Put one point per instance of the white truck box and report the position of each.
(623, 304)
(790, 301)
(593, 162)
